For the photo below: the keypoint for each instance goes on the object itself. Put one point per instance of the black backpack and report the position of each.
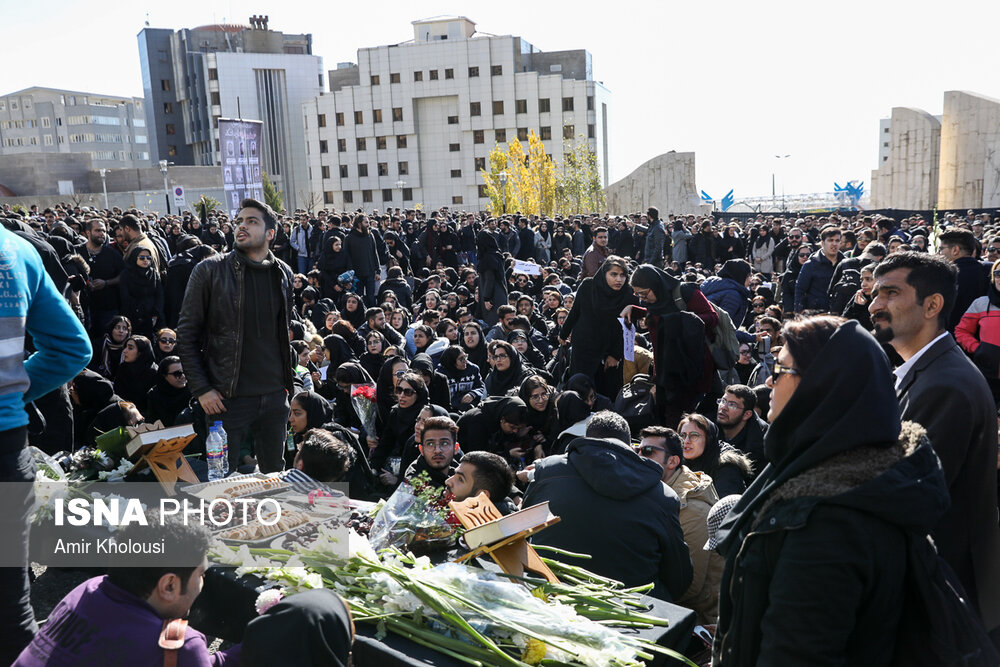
(636, 404)
(938, 628)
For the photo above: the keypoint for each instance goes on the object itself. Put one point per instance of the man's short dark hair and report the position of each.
(745, 394)
(876, 249)
(492, 474)
(963, 238)
(270, 220)
(600, 230)
(653, 213)
(929, 274)
(130, 221)
(671, 441)
(372, 313)
(607, 424)
(324, 456)
(441, 424)
(188, 544)
(506, 309)
(828, 231)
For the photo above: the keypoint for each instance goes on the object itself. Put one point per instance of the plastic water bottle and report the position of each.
(217, 452)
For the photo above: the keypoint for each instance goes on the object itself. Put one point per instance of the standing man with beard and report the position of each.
(361, 247)
(233, 338)
(940, 389)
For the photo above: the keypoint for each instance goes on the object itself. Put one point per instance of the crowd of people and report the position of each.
(756, 415)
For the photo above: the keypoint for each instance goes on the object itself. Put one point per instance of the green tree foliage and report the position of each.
(273, 197)
(578, 186)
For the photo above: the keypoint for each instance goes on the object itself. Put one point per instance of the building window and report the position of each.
(568, 131)
(449, 74)
(885, 144)
(545, 132)
(482, 191)
(401, 141)
(47, 139)
(359, 117)
(362, 144)
(380, 143)
(434, 75)
(216, 99)
(418, 75)
(348, 197)
(366, 196)
(164, 86)
(343, 171)
(323, 146)
(590, 102)
(496, 70)
(544, 105)
(407, 194)
(340, 118)
(321, 120)
(171, 128)
(480, 163)
(46, 121)
(386, 194)
(404, 168)
(393, 77)
(375, 80)
(397, 114)
(328, 196)
(497, 107)
(522, 134)
(341, 145)
(473, 72)
(590, 131)
(884, 157)
(377, 116)
(171, 150)
(213, 74)
(325, 171)
(362, 170)
(454, 148)
(453, 120)
(567, 104)
(475, 109)
(168, 107)
(456, 173)
(383, 168)
(520, 106)
(457, 199)
(886, 130)
(500, 136)
(477, 137)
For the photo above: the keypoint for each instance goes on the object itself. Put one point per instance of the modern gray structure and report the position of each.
(108, 128)
(194, 77)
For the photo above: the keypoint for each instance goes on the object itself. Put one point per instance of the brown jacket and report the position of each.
(697, 496)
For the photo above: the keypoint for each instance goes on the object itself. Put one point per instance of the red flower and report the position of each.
(365, 390)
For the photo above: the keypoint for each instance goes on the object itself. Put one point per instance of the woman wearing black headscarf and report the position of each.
(411, 396)
(474, 343)
(353, 310)
(373, 357)
(681, 358)
(729, 468)
(832, 518)
(110, 358)
(137, 373)
(542, 419)
(465, 382)
(508, 369)
(170, 396)
(572, 413)
(306, 410)
(333, 262)
(141, 293)
(310, 629)
(596, 348)
(492, 286)
(385, 386)
(337, 352)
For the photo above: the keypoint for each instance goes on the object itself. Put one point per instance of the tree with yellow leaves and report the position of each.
(579, 188)
(531, 182)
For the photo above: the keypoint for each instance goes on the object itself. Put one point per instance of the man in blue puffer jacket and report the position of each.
(729, 291)
(29, 303)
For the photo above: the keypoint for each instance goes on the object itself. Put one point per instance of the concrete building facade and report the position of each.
(667, 182)
(415, 122)
(907, 177)
(231, 71)
(110, 129)
(970, 141)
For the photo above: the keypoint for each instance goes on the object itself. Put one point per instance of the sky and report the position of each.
(737, 83)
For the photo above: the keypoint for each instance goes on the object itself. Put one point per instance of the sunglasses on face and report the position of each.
(405, 391)
(177, 374)
(399, 374)
(144, 258)
(647, 450)
(168, 341)
(780, 370)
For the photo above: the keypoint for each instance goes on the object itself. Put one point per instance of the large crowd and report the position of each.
(757, 416)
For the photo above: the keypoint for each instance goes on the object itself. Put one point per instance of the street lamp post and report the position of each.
(773, 192)
(400, 184)
(503, 189)
(104, 186)
(166, 188)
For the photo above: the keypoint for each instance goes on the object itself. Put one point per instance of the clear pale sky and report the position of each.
(735, 82)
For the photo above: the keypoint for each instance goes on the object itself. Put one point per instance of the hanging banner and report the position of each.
(240, 146)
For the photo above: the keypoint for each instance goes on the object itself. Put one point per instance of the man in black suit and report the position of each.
(939, 388)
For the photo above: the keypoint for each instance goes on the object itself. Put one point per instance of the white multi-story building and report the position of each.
(194, 77)
(112, 130)
(415, 122)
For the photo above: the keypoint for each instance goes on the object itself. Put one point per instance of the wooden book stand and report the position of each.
(513, 554)
(166, 459)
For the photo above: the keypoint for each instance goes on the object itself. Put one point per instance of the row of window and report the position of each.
(362, 144)
(478, 137)
(91, 137)
(433, 74)
(122, 155)
(387, 196)
(475, 109)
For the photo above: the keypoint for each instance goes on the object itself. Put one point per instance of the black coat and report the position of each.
(362, 250)
(973, 282)
(814, 547)
(946, 394)
(614, 507)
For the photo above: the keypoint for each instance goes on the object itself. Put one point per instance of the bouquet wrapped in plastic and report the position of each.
(363, 402)
(415, 516)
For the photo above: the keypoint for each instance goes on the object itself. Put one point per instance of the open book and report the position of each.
(507, 526)
(146, 439)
